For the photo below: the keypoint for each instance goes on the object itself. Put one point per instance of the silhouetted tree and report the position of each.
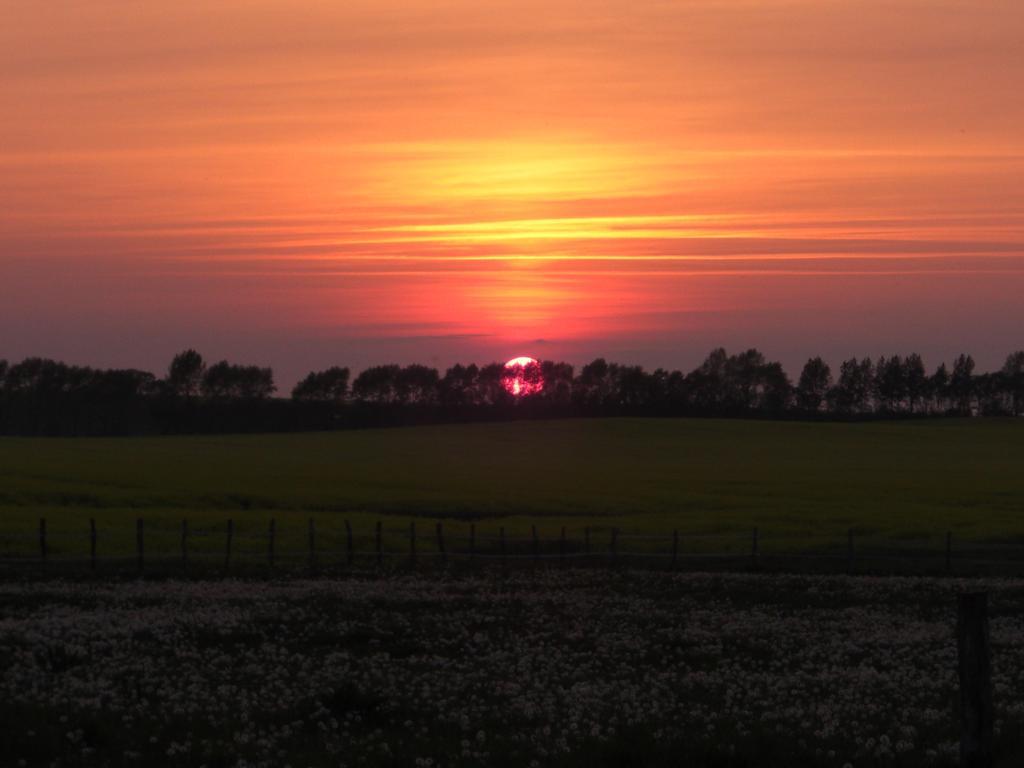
(329, 386)
(417, 384)
(378, 384)
(594, 386)
(852, 393)
(557, 380)
(890, 383)
(961, 384)
(41, 376)
(45, 397)
(742, 380)
(774, 389)
(185, 374)
(218, 380)
(458, 387)
(991, 395)
(675, 394)
(1013, 381)
(490, 385)
(915, 381)
(938, 388)
(122, 384)
(815, 382)
(250, 382)
(41, 396)
(533, 380)
(630, 388)
(707, 383)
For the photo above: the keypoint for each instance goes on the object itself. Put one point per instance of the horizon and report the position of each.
(434, 183)
(283, 387)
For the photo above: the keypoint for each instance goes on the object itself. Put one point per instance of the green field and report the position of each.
(891, 480)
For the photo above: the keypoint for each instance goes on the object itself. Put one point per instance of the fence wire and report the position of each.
(429, 542)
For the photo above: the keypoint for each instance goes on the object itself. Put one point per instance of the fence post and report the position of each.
(412, 543)
(271, 534)
(348, 543)
(536, 543)
(312, 546)
(42, 539)
(184, 545)
(975, 669)
(440, 545)
(378, 544)
(92, 543)
(561, 546)
(501, 544)
(949, 551)
(586, 539)
(472, 540)
(138, 544)
(849, 551)
(613, 547)
(675, 547)
(227, 547)
(753, 549)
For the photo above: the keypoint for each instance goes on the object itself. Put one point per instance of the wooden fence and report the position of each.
(228, 550)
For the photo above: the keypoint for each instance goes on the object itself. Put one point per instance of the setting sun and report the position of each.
(522, 376)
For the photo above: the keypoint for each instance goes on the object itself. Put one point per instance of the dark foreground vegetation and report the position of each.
(531, 669)
(45, 397)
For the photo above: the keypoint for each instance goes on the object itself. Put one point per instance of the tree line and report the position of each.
(47, 397)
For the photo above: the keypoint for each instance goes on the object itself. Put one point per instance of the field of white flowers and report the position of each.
(548, 668)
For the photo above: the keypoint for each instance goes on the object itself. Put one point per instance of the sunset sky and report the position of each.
(302, 184)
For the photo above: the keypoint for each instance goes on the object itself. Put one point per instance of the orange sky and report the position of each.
(308, 183)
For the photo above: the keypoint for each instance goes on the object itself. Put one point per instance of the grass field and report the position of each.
(893, 480)
(504, 667)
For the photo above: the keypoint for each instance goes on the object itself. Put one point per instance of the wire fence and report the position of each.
(223, 549)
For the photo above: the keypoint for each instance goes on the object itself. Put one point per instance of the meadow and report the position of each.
(470, 666)
(531, 669)
(800, 483)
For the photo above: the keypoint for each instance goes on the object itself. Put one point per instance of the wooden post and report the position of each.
(412, 543)
(184, 545)
(379, 545)
(614, 546)
(271, 535)
(501, 543)
(227, 546)
(312, 546)
(586, 539)
(348, 543)
(440, 544)
(949, 551)
(753, 549)
(849, 551)
(42, 539)
(92, 543)
(472, 540)
(975, 672)
(561, 546)
(536, 543)
(138, 544)
(675, 547)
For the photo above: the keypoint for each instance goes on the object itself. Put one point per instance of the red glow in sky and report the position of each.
(356, 183)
